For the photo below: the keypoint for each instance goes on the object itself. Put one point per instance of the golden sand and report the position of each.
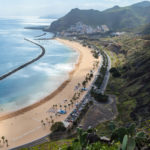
(24, 126)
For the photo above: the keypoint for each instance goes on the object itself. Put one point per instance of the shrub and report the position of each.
(83, 143)
(96, 55)
(99, 97)
(115, 72)
(58, 127)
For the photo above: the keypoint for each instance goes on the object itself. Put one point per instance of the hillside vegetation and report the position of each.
(121, 138)
(116, 18)
(132, 60)
(146, 30)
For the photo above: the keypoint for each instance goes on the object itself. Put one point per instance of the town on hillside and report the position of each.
(81, 29)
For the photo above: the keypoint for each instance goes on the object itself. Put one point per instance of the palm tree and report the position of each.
(72, 103)
(69, 105)
(56, 105)
(44, 124)
(74, 96)
(6, 142)
(51, 117)
(46, 119)
(3, 138)
(84, 83)
(88, 75)
(79, 94)
(42, 121)
(65, 107)
(52, 121)
(56, 115)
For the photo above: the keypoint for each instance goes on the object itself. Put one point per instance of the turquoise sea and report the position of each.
(38, 80)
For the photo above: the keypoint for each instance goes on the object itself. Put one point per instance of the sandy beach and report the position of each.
(24, 126)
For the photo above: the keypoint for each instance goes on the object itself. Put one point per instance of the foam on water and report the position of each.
(41, 78)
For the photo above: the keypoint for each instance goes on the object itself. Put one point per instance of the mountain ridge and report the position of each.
(116, 18)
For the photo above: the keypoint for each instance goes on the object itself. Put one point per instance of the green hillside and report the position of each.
(116, 18)
(146, 29)
(132, 60)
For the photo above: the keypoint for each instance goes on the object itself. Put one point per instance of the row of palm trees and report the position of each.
(65, 106)
(50, 120)
(77, 95)
(47, 120)
(74, 99)
(95, 65)
(4, 141)
(90, 75)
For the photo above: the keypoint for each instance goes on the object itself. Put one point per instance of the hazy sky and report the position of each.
(59, 7)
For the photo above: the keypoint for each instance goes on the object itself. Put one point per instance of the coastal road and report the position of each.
(26, 64)
(107, 75)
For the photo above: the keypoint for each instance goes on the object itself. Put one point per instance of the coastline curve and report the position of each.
(47, 98)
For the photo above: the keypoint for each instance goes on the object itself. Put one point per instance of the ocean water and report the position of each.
(39, 79)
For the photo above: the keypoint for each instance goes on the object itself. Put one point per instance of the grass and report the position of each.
(128, 95)
(55, 145)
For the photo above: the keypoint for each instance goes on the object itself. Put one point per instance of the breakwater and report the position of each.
(27, 63)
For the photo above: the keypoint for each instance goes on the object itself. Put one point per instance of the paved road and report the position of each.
(107, 75)
(33, 143)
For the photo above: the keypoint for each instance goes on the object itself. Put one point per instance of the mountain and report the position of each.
(116, 18)
(88, 17)
(142, 4)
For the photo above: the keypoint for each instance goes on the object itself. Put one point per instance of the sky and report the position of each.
(55, 7)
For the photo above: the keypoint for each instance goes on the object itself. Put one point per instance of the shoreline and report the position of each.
(48, 97)
(26, 126)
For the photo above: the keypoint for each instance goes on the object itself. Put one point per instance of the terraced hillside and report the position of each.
(131, 57)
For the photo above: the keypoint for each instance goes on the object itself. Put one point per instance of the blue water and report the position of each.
(36, 81)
